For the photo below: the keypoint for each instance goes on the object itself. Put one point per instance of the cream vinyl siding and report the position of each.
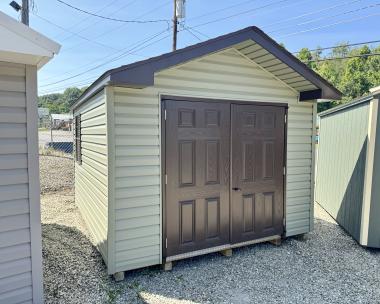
(224, 75)
(91, 177)
(15, 234)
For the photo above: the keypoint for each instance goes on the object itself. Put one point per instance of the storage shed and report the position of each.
(22, 52)
(199, 150)
(348, 171)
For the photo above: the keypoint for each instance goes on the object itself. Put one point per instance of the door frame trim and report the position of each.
(162, 99)
(228, 101)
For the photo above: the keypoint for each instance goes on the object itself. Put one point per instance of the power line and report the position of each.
(109, 18)
(102, 9)
(239, 14)
(109, 54)
(120, 26)
(114, 59)
(343, 45)
(193, 34)
(73, 33)
(117, 58)
(200, 33)
(220, 19)
(127, 52)
(345, 57)
(91, 79)
(221, 10)
(88, 17)
(77, 83)
(326, 17)
(313, 12)
(330, 25)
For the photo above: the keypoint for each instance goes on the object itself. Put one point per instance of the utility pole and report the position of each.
(178, 18)
(175, 26)
(25, 12)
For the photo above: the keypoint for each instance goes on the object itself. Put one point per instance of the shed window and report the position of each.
(78, 141)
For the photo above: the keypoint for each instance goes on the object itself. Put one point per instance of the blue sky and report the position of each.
(91, 45)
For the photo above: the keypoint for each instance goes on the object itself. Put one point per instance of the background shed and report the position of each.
(348, 167)
(22, 52)
(122, 151)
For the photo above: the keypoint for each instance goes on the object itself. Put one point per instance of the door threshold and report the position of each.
(191, 254)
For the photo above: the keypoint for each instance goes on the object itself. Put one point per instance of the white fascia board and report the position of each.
(375, 90)
(23, 40)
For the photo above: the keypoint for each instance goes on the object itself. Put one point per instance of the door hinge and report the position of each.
(283, 223)
(165, 114)
(284, 170)
(166, 243)
(285, 118)
(166, 179)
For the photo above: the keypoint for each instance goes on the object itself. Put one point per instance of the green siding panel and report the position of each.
(341, 165)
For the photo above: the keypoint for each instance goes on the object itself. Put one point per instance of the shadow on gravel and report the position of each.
(72, 265)
(326, 267)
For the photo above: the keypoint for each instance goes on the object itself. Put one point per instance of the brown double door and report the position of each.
(224, 174)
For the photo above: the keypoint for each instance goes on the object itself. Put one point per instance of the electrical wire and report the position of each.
(330, 25)
(344, 57)
(93, 23)
(191, 32)
(73, 33)
(231, 16)
(238, 14)
(127, 52)
(197, 31)
(75, 25)
(338, 46)
(326, 17)
(109, 54)
(220, 19)
(221, 10)
(109, 18)
(312, 13)
(113, 29)
(91, 79)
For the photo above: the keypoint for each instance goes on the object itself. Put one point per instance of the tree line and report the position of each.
(353, 77)
(59, 103)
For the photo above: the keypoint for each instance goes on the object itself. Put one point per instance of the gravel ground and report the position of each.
(56, 173)
(326, 267)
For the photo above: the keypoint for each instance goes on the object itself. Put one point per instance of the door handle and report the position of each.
(236, 189)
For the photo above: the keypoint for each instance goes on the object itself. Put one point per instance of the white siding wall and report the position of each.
(137, 147)
(15, 233)
(91, 177)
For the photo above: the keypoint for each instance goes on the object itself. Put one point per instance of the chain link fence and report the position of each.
(55, 135)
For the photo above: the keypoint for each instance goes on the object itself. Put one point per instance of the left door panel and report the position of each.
(197, 149)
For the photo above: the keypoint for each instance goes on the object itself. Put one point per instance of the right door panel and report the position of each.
(257, 182)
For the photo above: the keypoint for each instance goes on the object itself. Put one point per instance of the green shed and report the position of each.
(199, 150)
(348, 167)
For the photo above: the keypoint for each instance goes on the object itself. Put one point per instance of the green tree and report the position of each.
(305, 56)
(60, 102)
(355, 80)
(70, 95)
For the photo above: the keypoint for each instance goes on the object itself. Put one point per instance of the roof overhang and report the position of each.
(23, 44)
(251, 42)
(375, 91)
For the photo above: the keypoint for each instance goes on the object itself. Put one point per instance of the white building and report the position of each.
(24, 52)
